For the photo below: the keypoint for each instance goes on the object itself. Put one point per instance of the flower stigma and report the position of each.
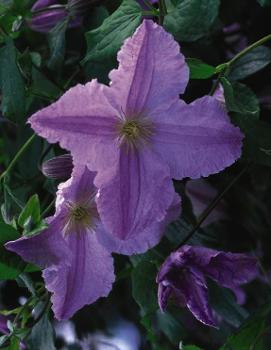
(134, 133)
(80, 217)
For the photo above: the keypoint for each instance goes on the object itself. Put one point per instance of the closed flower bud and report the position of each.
(58, 167)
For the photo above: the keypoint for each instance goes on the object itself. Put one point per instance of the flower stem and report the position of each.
(17, 156)
(212, 206)
(162, 11)
(249, 48)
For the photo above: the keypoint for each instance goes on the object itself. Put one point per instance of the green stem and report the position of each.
(249, 48)
(212, 206)
(17, 156)
(162, 11)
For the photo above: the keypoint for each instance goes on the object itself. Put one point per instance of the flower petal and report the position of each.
(88, 276)
(196, 139)
(130, 202)
(151, 70)
(231, 270)
(82, 121)
(43, 249)
(195, 293)
(145, 239)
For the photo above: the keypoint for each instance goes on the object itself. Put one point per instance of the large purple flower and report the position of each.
(137, 134)
(75, 250)
(182, 276)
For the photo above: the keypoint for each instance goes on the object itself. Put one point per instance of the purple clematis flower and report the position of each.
(137, 134)
(183, 273)
(75, 250)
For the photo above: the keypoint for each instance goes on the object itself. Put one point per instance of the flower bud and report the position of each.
(58, 167)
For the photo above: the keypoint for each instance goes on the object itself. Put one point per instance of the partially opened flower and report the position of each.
(75, 250)
(137, 134)
(46, 14)
(183, 276)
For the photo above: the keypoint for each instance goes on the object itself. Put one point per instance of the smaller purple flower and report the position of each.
(75, 250)
(46, 14)
(183, 276)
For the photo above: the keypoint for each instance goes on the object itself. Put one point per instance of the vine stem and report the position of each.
(162, 11)
(214, 203)
(249, 48)
(17, 156)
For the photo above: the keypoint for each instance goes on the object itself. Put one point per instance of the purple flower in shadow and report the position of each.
(183, 276)
(138, 135)
(75, 251)
(46, 14)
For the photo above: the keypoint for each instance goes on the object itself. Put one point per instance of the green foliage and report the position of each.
(11, 83)
(104, 41)
(190, 20)
(30, 219)
(250, 334)
(10, 264)
(144, 287)
(42, 334)
(264, 2)
(224, 303)
(240, 99)
(199, 69)
(57, 44)
(251, 63)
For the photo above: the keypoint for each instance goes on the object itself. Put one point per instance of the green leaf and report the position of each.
(251, 63)
(104, 42)
(144, 287)
(257, 143)
(171, 326)
(199, 69)
(42, 335)
(30, 219)
(240, 98)
(224, 303)
(10, 264)
(189, 20)
(247, 336)
(190, 347)
(57, 44)
(12, 83)
(30, 212)
(264, 2)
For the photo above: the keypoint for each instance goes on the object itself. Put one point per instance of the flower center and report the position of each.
(80, 217)
(131, 129)
(134, 133)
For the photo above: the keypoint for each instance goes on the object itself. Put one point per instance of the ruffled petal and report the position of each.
(231, 270)
(151, 70)
(88, 276)
(83, 122)
(44, 249)
(145, 239)
(130, 202)
(197, 139)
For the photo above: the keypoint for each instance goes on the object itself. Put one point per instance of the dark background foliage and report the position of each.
(35, 69)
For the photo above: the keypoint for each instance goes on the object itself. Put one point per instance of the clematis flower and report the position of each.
(75, 251)
(183, 276)
(138, 135)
